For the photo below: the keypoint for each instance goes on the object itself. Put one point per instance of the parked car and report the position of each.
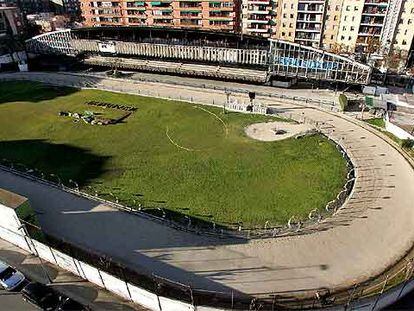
(10, 278)
(49, 299)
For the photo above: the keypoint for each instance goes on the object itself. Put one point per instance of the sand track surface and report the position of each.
(267, 131)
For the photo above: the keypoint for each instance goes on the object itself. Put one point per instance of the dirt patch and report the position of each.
(272, 131)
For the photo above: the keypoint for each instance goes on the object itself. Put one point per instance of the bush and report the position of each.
(407, 143)
(343, 101)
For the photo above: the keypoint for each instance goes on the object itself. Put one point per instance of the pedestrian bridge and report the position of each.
(200, 53)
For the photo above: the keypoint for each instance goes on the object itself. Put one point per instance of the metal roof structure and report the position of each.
(274, 58)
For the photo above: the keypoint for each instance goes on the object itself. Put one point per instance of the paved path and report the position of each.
(372, 231)
(65, 282)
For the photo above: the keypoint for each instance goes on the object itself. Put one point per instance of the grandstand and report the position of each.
(200, 53)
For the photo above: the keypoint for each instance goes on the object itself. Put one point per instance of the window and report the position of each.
(291, 15)
(335, 18)
(344, 28)
(355, 8)
(404, 42)
(348, 7)
(410, 21)
(342, 38)
(332, 37)
(345, 18)
(349, 38)
(283, 34)
(352, 28)
(353, 18)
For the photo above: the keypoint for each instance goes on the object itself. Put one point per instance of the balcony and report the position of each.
(162, 21)
(135, 13)
(191, 14)
(374, 11)
(135, 4)
(191, 22)
(190, 5)
(220, 14)
(369, 31)
(377, 2)
(311, 8)
(258, 30)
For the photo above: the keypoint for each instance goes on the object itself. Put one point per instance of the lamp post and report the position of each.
(75, 183)
(58, 179)
(227, 102)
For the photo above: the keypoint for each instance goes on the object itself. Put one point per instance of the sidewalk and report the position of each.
(67, 283)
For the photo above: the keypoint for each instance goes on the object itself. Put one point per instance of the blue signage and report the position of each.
(310, 64)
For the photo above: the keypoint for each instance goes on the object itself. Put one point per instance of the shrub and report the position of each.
(343, 101)
(407, 143)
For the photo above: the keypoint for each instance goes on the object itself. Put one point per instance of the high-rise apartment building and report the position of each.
(219, 14)
(366, 26)
(258, 17)
(310, 18)
(404, 32)
(331, 24)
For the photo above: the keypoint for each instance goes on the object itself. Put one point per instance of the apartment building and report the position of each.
(331, 25)
(258, 17)
(364, 26)
(310, 22)
(217, 15)
(10, 20)
(29, 6)
(404, 32)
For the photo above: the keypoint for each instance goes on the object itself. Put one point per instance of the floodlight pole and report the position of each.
(75, 183)
(58, 179)
(227, 102)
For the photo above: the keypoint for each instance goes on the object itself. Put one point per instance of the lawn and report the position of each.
(194, 158)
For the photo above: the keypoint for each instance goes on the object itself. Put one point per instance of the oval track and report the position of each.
(373, 229)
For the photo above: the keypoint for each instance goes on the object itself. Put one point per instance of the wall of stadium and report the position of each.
(197, 53)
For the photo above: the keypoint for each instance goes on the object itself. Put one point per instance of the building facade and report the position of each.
(369, 27)
(10, 21)
(220, 14)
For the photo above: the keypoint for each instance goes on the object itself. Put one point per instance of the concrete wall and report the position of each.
(397, 131)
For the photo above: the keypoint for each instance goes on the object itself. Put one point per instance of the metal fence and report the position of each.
(160, 212)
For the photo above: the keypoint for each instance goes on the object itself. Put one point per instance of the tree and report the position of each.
(394, 59)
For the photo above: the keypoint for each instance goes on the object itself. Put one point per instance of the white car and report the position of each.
(10, 278)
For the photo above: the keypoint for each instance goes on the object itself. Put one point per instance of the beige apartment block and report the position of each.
(405, 30)
(214, 15)
(331, 26)
(348, 28)
(287, 12)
